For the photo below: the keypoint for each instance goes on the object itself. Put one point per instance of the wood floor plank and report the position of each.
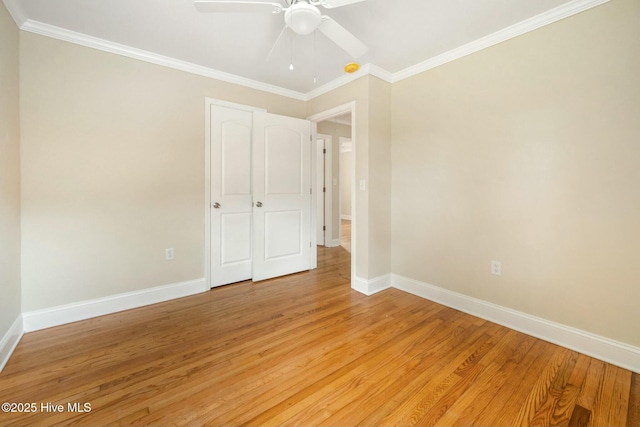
(504, 366)
(270, 382)
(592, 384)
(453, 393)
(603, 412)
(541, 388)
(403, 366)
(367, 360)
(430, 385)
(619, 407)
(306, 349)
(235, 363)
(580, 417)
(564, 410)
(633, 412)
(433, 374)
(515, 391)
(544, 414)
(180, 358)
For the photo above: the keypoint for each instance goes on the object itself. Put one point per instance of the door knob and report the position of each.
(259, 204)
(216, 205)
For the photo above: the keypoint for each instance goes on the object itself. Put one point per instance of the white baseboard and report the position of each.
(347, 217)
(60, 315)
(371, 286)
(608, 350)
(333, 243)
(9, 341)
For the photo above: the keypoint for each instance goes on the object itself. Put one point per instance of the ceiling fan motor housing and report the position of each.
(302, 18)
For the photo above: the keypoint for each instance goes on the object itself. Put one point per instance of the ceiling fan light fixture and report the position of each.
(302, 18)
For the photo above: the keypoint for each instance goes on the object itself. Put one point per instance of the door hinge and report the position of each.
(324, 228)
(324, 151)
(324, 189)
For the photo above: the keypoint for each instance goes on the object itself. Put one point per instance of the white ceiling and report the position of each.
(400, 34)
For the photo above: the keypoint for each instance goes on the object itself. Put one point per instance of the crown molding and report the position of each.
(52, 31)
(545, 18)
(366, 69)
(336, 83)
(380, 73)
(16, 12)
(564, 11)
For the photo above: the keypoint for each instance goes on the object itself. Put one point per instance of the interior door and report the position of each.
(281, 195)
(231, 225)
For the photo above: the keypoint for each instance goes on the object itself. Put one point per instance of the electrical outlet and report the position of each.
(496, 268)
(168, 254)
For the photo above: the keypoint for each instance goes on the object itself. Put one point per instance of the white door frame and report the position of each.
(328, 195)
(333, 112)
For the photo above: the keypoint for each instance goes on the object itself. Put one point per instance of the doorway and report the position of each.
(340, 122)
(346, 172)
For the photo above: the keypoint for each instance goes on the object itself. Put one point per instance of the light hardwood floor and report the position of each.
(345, 234)
(307, 350)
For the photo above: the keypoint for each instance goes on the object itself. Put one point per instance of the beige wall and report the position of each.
(9, 172)
(379, 183)
(335, 130)
(113, 170)
(528, 153)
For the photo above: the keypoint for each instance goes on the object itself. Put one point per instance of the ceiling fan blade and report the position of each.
(284, 30)
(343, 38)
(236, 6)
(330, 4)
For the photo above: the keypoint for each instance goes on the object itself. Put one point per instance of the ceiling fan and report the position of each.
(300, 16)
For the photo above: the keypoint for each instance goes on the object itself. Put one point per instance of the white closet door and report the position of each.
(231, 235)
(281, 195)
